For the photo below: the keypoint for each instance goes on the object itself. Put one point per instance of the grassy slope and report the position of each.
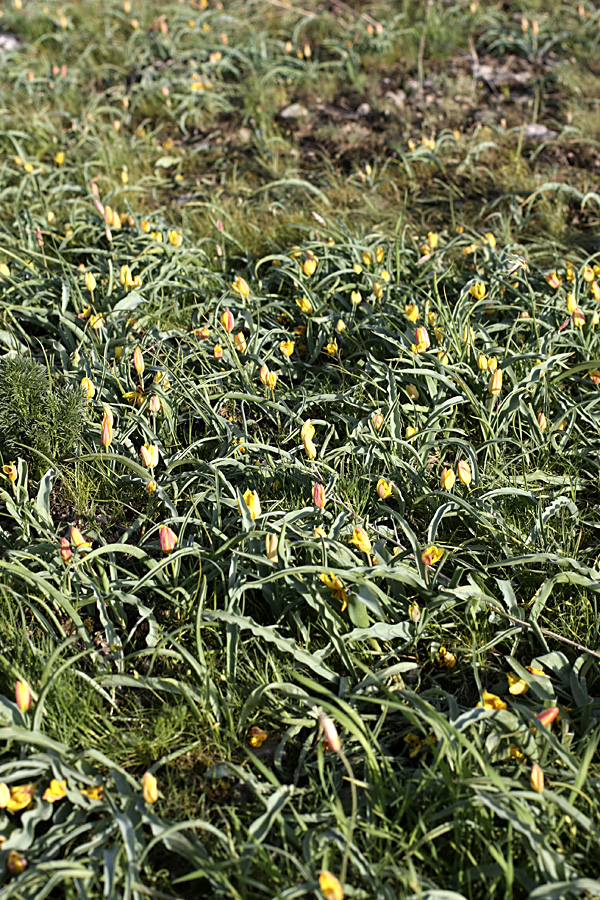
(140, 660)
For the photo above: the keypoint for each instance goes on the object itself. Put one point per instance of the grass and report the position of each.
(223, 229)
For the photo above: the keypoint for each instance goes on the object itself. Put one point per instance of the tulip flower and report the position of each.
(492, 364)
(307, 431)
(240, 342)
(149, 787)
(464, 472)
(536, 779)
(431, 555)
(516, 685)
(411, 311)
(257, 737)
(175, 238)
(578, 318)
(495, 385)
(154, 404)
(90, 282)
(482, 362)
(287, 347)
(23, 695)
(542, 421)
(305, 305)
(422, 339)
(107, 432)
(88, 388)
(78, 539)
(271, 542)
(571, 303)
(310, 449)
(319, 498)
(11, 471)
(477, 290)
(447, 479)
(384, 489)
(330, 887)
(138, 361)
(319, 532)
(491, 701)
(228, 321)
(252, 501)
(330, 733)
(410, 431)
(361, 540)
(377, 421)
(56, 791)
(15, 863)
(149, 454)
(553, 279)
(377, 290)
(272, 379)
(309, 266)
(264, 373)
(150, 486)
(240, 286)
(168, 538)
(595, 290)
(217, 351)
(547, 716)
(332, 581)
(65, 550)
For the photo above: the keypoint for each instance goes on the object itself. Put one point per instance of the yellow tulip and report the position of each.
(88, 388)
(377, 421)
(257, 737)
(305, 305)
(287, 347)
(240, 343)
(356, 298)
(367, 259)
(432, 239)
(271, 541)
(56, 791)
(482, 362)
(175, 238)
(571, 303)
(149, 454)
(309, 266)
(578, 318)
(20, 797)
(447, 479)
(149, 787)
(307, 430)
(536, 779)
(410, 431)
(431, 555)
(329, 885)
(516, 685)
(4, 795)
(495, 385)
(491, 701)
(241, 287)
(464, 472)
(11, 471)
(384, 488)
(310, 449)
(23, 695)
(90, 282)
(477, 290)
(252, 501)
(360, 539)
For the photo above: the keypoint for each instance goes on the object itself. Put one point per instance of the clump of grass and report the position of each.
(37, 421)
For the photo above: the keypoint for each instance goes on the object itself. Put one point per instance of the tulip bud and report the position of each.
(412, 391)
(154, 404)
(330, 886)
(168, 538)
(464, 472)
(240, 343)
(482, 362)
(310, 449)
(150, 486)
(272, 379)
(240, 286)
(88, 388)
(318, 493)
(149, 453)
(23, 695)
(409, 431)
(228, 321)
(4, 795)
(422, 339)
(330, 733)
(447, 479)
(307, 432)
(414, 612)
(65, 549)
(578, 318)
(542, 421)
(547, 716)
(252, 501)
(377, 421)
(217, 351)
(271, 541)
(264, 373)
(495, 385)
(149, 787)
(361, 539)
(384, 489)
(536, 778)
(107, 434)
(90, 282)
(138, 361)
(492, 364)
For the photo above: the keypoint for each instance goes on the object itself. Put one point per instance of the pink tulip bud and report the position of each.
(228, 321)
(168, 538)
(219, 225)
(23, 695)
(319, 498)
(65, 549)
(154, 403)
(330, 733)
(536, 778)
(547, 716)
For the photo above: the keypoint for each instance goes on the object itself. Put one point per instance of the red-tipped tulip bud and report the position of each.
(228, 321)
(464, 472)
(23, 695)
(65, 550)
(154, 404)
(168, 538)
(319, 498)
(107, 433)
(547, 716)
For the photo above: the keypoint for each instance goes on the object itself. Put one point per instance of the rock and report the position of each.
(538, 133)
(8, 42)
(398, 97)
(293, 111)
(363, 110)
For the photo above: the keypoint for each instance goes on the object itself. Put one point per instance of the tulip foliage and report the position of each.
(299, 566)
